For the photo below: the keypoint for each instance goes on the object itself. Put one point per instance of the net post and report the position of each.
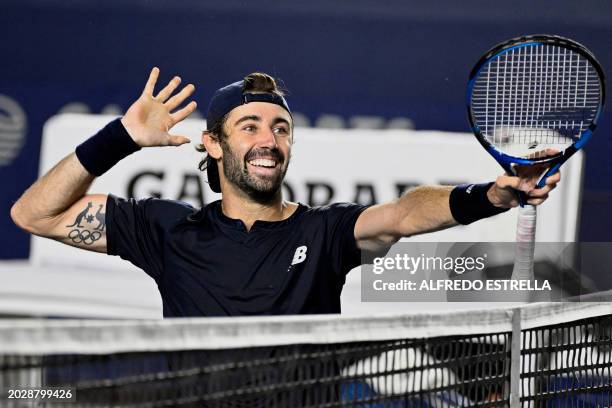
(515, 360)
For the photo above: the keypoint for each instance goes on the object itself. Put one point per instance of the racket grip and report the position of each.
(525, 243)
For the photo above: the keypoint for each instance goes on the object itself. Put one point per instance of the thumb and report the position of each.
(505, 181)
(177, 140)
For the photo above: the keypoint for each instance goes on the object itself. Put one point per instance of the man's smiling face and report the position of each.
(257, 149)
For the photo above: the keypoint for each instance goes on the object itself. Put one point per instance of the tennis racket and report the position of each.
(526, 96)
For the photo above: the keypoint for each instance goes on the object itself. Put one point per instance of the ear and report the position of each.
(211, 142)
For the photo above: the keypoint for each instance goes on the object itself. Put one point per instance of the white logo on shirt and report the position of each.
(300, 255)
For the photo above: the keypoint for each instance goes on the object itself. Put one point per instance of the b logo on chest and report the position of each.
(300, 255)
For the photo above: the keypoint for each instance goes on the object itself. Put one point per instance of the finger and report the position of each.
(168, 89)
(537, 154)
(547, 188)
(536, 201)
(177, 140)
(540, 154)
(506, 181)
(549, 184)
(177, 99)
(150, 85)
(551, 152)
(540, 192)
(183, 113)
(554, 179)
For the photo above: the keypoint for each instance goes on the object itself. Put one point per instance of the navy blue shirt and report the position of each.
(206, 264)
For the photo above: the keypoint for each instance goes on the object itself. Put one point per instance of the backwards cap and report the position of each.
(222, 102)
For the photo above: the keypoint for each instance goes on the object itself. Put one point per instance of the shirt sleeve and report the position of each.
(340, 228)
(135, 230)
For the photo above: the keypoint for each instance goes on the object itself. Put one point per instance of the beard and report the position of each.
(260, 189)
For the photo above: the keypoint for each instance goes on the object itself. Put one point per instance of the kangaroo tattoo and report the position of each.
(80, 216)
(100, 217)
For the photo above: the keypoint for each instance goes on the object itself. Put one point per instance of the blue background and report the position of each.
(389, 58)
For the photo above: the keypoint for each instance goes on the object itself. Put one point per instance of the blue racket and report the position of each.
(526, 96)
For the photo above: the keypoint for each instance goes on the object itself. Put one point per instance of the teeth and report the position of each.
(263, 163)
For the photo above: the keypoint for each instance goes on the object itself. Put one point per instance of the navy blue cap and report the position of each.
(222, 102)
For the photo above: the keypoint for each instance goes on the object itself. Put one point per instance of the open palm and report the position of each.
(150, 118)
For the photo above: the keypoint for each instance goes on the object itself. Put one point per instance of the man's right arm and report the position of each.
(56, 206)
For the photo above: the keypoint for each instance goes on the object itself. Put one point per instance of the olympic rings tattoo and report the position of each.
(86, 237)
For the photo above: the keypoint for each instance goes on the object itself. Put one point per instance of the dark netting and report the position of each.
(466, 371)
(568, 365)
(540, 355)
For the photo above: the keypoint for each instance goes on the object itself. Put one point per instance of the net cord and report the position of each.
(102, 337)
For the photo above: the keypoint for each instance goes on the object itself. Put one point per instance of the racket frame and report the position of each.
(526, 226)
(505, 160)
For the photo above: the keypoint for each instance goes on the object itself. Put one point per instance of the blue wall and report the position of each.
(354, 57)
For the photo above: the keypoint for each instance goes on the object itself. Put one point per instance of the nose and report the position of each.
(267, 138)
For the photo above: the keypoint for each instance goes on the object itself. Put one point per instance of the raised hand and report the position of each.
(150, 118)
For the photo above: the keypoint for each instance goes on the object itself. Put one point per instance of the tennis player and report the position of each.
(250, 253)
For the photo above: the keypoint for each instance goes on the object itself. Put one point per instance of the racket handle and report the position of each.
(525, 243)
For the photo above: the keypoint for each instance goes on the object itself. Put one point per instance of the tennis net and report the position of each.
(540, 355)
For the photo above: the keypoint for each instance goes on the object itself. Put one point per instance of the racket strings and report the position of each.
(535, 97)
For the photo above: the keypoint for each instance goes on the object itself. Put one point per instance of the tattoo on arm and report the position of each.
(88, 233)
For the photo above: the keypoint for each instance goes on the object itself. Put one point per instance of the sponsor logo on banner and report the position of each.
(190, 188)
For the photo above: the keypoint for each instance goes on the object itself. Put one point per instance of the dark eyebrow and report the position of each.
(256, 118)
(278, 120)
(249, 117)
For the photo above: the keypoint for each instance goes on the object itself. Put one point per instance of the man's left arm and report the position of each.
(433, 208)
